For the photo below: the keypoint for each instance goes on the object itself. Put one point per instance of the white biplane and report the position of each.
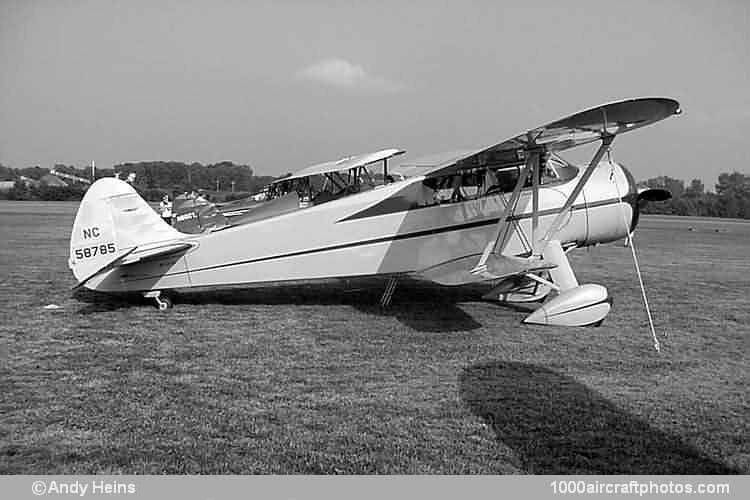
(507, 214)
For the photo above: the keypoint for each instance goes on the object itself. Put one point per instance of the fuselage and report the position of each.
(392, 229)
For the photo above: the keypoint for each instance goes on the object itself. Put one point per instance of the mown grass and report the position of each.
(319, 379)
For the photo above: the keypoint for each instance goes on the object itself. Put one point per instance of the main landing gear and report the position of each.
(163, 302)
(566, 303)
(572, 304)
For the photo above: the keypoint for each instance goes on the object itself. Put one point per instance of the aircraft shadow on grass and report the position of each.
(422, 306)
(96, 302)
(556, 425)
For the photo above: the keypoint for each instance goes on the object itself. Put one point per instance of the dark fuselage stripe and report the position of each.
(416, 234)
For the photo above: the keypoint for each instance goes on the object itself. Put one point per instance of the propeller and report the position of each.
(653, 194)
(639, 200)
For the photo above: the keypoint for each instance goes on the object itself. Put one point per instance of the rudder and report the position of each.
(112, 219)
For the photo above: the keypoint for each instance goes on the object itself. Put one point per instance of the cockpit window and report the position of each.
(479, 182)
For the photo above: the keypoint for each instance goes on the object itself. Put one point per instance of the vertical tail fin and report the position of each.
(111, 221)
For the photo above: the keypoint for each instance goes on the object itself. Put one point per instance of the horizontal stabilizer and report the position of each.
(162, 249)
(111, 265)
(139, 254)
(462, 271)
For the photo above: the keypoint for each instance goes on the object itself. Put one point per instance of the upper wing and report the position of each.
(575, 130)
(344, 163)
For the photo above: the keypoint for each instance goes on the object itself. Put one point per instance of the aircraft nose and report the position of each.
(631, 198)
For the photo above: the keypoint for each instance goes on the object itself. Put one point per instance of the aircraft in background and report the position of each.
(506, 214)
(313, 185)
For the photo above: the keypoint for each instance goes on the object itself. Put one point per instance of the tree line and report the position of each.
(224, 180)
(153, 179)
(731, 197)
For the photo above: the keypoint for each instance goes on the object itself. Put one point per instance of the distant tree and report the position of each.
(153, 178)
(708, 205)
(733, 192)
(695, 189)
(732, 197)
(178, 176)
(57, 193)
(261, 181)
(732, 183)
(35, 173)
(19, 191)
(7, 173)
(674, 186)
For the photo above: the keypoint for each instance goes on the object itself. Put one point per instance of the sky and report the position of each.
(281, 85)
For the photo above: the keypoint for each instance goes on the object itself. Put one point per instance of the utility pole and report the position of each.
(217, 184)
(93, 171)
(232, 187)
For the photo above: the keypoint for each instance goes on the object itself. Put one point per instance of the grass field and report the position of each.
(321, 380)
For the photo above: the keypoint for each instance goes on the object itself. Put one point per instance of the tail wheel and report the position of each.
(164, 303)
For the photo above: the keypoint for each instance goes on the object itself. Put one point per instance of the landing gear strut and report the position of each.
(385, 299)
(163, 302)
(574, 304)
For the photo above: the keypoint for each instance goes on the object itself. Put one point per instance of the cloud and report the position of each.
(343, 74)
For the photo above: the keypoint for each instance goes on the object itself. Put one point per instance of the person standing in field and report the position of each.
(166, 209)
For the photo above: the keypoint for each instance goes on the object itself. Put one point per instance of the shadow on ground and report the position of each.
(420, 305)
(96, 302)
(557, 425)
(438, 317)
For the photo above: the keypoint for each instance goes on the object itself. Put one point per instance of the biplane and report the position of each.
(507, 214)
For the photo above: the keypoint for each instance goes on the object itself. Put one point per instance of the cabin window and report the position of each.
(471, 185)
(479, 182)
